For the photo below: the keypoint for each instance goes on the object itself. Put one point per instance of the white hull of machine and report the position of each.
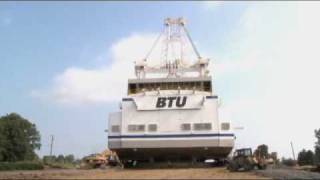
(171, 141)
(186, 148)
(146, 129)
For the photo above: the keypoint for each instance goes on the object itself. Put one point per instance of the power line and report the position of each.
(51, 144)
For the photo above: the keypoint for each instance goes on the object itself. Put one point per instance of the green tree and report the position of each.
(262, 151)
(274, 156)
(69, 158)
(305, 157)
(60, 159)
(317, 147)
(48, 159)
(18, 138)
(2, 144)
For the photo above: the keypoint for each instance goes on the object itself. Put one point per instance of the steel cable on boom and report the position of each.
(192, 44)
(153, 46)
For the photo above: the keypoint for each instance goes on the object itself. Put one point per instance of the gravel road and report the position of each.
(287, 173)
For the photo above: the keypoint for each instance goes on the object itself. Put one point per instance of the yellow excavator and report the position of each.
(100, 160)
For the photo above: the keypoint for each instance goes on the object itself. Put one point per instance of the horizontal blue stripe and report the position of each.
(211, 97)
(172, 136)
(208, 97)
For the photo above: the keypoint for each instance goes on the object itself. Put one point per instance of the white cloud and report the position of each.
(281, 105)
(77, 85)
(132, 48)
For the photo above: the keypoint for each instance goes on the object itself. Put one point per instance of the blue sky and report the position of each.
(64, 64)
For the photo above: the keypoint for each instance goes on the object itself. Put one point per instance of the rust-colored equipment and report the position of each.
(244, 160)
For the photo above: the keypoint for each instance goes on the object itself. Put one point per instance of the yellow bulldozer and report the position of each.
(101, 160)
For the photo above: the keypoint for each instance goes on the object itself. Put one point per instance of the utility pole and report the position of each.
(294, 156)
(51, 144)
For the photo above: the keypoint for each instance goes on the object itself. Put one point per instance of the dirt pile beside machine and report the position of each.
(244, 160)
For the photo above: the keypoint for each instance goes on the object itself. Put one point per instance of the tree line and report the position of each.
(309, 157)
(59, 159)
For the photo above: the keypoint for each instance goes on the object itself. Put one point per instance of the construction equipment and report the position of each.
(170, 112)
(244, 160)
(100, 160)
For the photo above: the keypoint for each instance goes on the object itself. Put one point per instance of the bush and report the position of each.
(61, 165)
(7, 166)
(47, 160)
(60, 161)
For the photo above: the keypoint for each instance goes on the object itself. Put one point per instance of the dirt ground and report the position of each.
(117, 173)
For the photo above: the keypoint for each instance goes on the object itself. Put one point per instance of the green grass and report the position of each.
(56, 165)
(8, 166)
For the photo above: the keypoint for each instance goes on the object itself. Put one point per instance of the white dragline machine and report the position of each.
(170, 111)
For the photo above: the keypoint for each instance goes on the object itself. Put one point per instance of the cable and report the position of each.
(153, 46)
(193, 46)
